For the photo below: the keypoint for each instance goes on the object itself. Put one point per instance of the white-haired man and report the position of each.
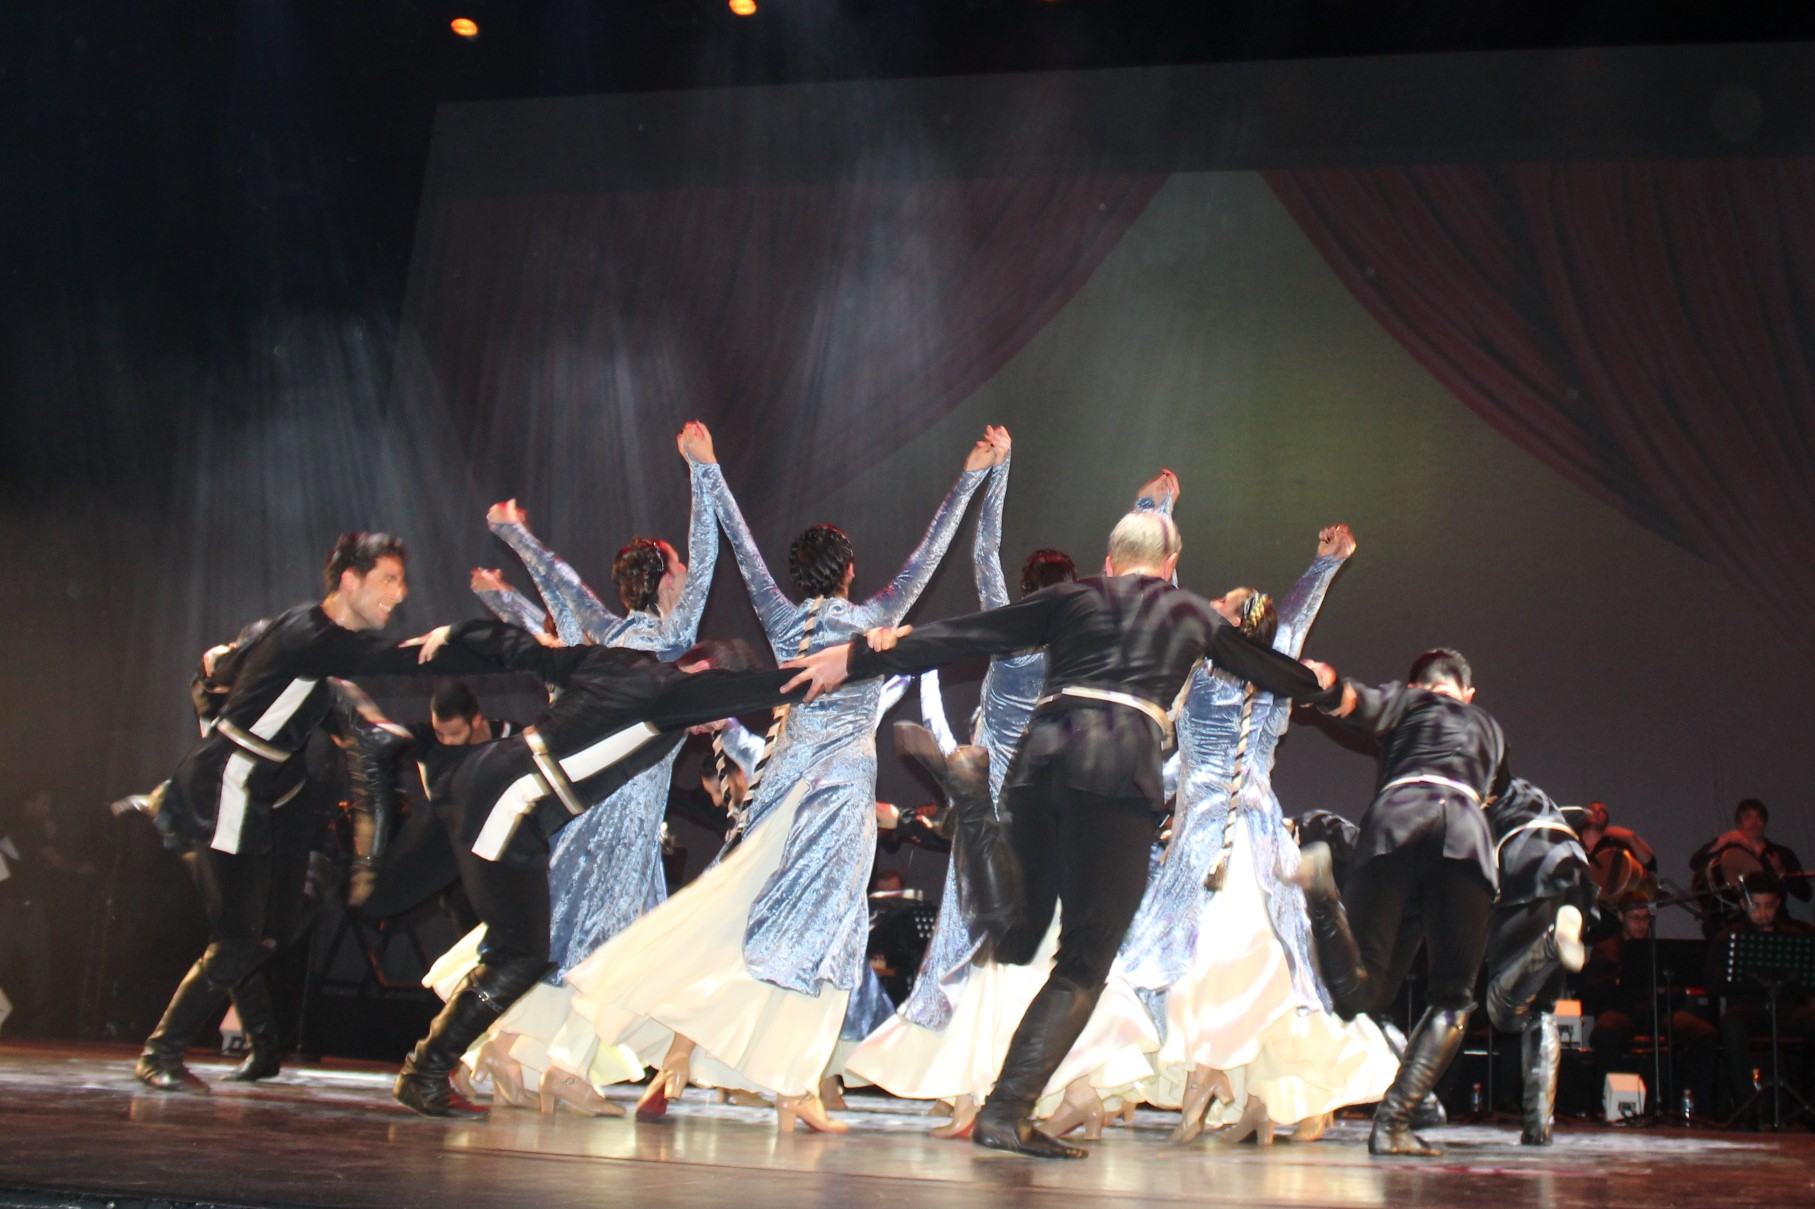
(1085, 789)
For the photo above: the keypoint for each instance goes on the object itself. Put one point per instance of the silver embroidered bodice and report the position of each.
(1160, 943)
(606, 867)
(809, 924)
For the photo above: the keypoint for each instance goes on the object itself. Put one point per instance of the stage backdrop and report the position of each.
(849, 281)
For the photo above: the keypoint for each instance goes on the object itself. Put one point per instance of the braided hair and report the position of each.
(1046, 567)
(1259, 617)
(638, 571)
(818, 559)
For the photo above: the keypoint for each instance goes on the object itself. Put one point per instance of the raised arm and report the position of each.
(889, 605)
(932, 713)
(773, 608)
(509, 647)
(579, 615)
(505, 602)
(682, 624)
(1334, 546)
(1003, 631)
(1266, 668)
(986, 551)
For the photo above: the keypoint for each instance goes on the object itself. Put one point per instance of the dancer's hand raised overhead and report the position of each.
(1336, 541)
(506, 513)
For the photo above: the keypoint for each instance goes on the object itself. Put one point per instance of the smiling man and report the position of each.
(219, 803)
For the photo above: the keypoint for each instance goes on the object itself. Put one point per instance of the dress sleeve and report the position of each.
(1302, 603)
(579, 615)
(742, 746)
(773, 608)
(986, 551)
(892, 603)
(932, 713)
(509, 605)
(681, 627)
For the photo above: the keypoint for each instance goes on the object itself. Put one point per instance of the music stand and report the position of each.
(1774, 960)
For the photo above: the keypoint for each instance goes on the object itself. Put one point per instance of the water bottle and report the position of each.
(1476, 1103)
(1688, 1106)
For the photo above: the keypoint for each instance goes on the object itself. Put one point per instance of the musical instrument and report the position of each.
(1619, 876)
(1727, 873)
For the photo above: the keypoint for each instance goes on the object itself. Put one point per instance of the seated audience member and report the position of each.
(1617, 991)
(1745, 1013)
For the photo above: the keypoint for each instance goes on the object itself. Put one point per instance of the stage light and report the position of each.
(744, 8)
(466, 27)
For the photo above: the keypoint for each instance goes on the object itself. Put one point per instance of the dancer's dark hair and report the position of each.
(359, 553)
(1442, 664)
(638, 571)
(1751, 804)
(457, 700)
(1260, 617)
(1046, 567)
(818, 558)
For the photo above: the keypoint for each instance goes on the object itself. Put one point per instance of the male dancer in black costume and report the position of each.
(617, 712)
(220, 802)
(1086, 785)
(1535, 935)
(1423, 868)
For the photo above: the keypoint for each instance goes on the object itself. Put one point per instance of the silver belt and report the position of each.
(1114, 698)
(250, 743)
(551, 774)
(1467, 791)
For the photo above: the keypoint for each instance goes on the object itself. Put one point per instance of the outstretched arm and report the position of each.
(681, 625)
(1301, 605)
(773, 608)
(986, 551)
(503, 601)
(579, 615)
(889, 605)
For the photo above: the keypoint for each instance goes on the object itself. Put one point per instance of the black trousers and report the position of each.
(1413, 895)
(255, 899)
(1088, 852)
(1512, 932)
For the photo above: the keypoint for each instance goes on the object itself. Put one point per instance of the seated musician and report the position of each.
(1746, 1011)
(1599, 834)
(1719, 864)
(1617, 991)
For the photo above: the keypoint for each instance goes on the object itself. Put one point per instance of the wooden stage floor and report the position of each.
(76, 1130)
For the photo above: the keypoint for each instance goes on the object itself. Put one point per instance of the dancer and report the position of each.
(741, 980)
(948, 1040)
(1424, 863)
(1535, 936)
(1221, 943)
(220, 802)
(616, 713)
(1086, 784)
(606, 868)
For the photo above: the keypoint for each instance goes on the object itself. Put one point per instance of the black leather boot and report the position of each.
(422, 1086)
(1045, 1035)
(1540, 1054)
(258, 1019)
(198, 998)
(1430, 1113)
(1516, 986)
(372, 779)
(1432, 1046)
(1338, 957)
(989, 877)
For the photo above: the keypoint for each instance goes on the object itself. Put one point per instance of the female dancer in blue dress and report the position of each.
(1220, 946)
(742, 979)
(606, 868)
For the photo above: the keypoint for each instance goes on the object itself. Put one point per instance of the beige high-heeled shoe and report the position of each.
(1203, 1084)
(1081, 1108)
(1254, 1120)
(668, 1081)
(808, 1111)
(963, 1114)
(1312, 1128)
(562, 1089)
(506, 1079)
